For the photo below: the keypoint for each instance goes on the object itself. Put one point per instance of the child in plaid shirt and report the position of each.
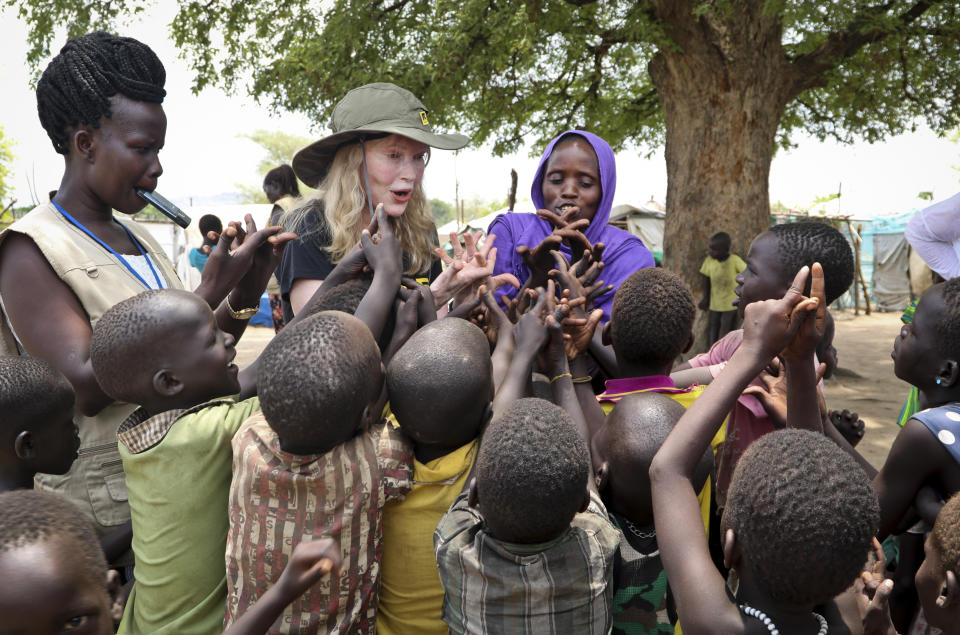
(528, 546)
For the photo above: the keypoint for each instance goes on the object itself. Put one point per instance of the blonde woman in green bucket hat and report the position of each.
(376, 154)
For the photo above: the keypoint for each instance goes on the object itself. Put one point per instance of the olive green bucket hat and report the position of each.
(371, 110)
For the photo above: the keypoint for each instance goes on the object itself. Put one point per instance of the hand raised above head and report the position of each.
(769, 325)
(804, 343)
(530, 332)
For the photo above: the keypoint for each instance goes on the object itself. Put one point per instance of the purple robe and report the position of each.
(624, 252)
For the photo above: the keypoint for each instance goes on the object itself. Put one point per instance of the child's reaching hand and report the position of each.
(804, 344)
(772, 395)
(382, 248)
(770, 325)
(309, 562)
(873, 591)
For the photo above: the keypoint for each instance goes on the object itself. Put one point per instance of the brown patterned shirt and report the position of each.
(278, 499)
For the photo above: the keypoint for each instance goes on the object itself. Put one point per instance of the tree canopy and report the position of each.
(514, 69)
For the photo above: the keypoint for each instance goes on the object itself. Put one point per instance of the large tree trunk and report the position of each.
(718, 145)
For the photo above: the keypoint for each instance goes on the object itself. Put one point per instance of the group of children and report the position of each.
(383, 470)
(380, 469)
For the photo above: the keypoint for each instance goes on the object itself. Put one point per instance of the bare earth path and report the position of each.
(865, 382)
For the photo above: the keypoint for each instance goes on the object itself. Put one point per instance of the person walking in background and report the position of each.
(719, 270)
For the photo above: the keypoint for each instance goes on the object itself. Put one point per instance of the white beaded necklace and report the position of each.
(760, 615)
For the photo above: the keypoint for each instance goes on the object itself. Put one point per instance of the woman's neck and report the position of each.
(81, 203)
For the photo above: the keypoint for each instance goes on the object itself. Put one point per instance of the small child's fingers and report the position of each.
(821, 370)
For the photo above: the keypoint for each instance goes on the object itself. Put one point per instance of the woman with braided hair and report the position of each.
(68, 261)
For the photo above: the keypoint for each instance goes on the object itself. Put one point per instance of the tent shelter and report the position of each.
(646, 222)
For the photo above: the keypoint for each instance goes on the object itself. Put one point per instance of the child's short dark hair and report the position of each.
(285, 178)
(128, 333)
(948, 322)
(804, 514)
(946, 534)
(532, 472)
(209, 223)
(77, 84)
(344, 297)
(316, 377)
(637, 427)
(806, 242)
(32, 516)
(31, 390)
(721, 236)
(441, 381)
(652, 315)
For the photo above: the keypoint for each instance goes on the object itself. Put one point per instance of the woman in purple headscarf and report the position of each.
(577, 170)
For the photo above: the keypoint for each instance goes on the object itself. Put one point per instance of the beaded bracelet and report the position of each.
(561, 376)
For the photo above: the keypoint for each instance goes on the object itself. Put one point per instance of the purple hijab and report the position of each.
(624, 253)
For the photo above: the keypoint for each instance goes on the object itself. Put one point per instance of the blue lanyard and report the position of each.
(73, 221)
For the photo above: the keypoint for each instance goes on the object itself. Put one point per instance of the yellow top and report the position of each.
(722, 281)
(411, 598)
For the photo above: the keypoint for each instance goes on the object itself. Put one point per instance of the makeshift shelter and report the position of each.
(645, 222)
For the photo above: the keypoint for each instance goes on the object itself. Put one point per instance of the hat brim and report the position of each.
(312, 163)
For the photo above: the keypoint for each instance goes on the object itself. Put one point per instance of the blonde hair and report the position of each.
(342, 197)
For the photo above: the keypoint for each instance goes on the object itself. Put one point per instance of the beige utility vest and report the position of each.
(99, 280)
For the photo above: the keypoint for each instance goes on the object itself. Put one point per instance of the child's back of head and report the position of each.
(440, 383)
(532, 472)
(652, 318)
(938, 578)
(804, 515)
(36, 420)
(624, 447)
(51, 550)
(316, 381)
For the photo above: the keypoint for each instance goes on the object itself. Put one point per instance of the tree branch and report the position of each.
(809, 69)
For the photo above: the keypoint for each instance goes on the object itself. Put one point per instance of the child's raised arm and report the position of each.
(531, 334)
(384, 257)
(698, 587)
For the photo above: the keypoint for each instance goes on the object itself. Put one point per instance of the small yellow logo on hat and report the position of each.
(423, 118)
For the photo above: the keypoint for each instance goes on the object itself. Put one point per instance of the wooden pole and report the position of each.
(856, 269)
(863, 283)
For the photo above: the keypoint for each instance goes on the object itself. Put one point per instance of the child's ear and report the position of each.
(166, 384)
(690, 340)
(950, 596)
(602, 476)
(949, 374)
(605, 338)
(731, 549)
(24, 447)
(473, 498)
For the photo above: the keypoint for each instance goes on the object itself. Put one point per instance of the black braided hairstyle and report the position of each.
(77, 84)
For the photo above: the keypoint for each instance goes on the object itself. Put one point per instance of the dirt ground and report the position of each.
(864, 382)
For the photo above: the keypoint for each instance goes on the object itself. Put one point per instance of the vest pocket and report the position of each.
(106, 486)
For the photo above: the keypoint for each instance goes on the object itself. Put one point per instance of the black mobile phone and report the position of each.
(169, 210)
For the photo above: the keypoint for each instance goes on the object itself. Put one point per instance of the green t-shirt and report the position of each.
(723, 280)
(179, 465)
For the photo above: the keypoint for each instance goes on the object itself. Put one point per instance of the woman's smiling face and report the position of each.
(395, 166)
(571, 178)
